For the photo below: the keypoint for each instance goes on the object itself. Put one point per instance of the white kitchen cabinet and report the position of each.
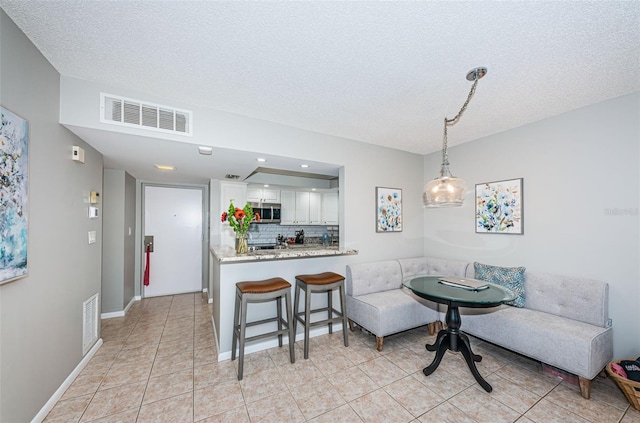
(222, 193)
(295, 208)
(315, 208)
(263, 195)
(330, 208)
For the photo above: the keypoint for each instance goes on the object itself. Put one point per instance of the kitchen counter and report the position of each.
(226, 269)
(227, 254)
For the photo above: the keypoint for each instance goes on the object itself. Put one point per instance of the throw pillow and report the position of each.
(511, 278)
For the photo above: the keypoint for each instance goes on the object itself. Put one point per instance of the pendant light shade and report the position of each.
(447, 190)
(444, 192)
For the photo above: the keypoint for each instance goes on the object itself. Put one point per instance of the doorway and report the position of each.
(173, 216)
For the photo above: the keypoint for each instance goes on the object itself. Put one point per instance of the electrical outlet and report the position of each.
(609, 323)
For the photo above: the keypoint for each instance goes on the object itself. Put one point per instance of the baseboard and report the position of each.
(265, 345)
(112, 314)
(133, 300)
(122, 313)
(65, 385)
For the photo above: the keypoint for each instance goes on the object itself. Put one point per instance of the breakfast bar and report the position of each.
(227, 268)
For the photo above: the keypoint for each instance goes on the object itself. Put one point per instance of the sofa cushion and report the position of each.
(432, 266)
(511, 278)
(392, 311)
(366, 278)
(576, 298)
(577, 347)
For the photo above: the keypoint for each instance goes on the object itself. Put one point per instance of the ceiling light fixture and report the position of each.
(447, 190)
(304, 165)
(165, 167)
(261, 159)
(205, 151)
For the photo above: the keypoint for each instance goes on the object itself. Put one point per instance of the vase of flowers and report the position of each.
(239, 220)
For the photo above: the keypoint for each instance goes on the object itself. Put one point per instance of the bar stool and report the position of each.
(319, 283)
(258, 292)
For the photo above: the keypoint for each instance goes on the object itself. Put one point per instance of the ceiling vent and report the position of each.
(144, 115)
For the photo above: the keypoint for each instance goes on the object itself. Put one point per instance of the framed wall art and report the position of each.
(14, 196)
(499, 207)
(388, 209)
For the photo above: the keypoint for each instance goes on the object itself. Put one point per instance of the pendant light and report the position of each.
(447, 190)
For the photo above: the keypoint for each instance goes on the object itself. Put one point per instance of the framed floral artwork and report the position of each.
(388, 209)
(499, 207)
(14, 196)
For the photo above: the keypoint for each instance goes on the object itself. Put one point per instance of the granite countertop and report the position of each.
(226, 254)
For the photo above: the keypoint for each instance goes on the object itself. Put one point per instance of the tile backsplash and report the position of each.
(267, 233)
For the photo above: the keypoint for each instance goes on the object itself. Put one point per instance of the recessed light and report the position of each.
(304, 165)
(266, 185)
(260, 159)
(313, 189)
(206, 151)
(165, 167)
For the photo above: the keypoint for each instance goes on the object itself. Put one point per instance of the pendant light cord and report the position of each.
(450, 122)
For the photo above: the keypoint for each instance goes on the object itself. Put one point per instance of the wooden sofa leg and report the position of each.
(379, 340)
(431, 327)
(351, 325)
(585, 387)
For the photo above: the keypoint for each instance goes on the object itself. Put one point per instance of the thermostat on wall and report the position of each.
(78, 154)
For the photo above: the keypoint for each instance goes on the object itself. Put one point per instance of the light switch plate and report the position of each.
(92, 237)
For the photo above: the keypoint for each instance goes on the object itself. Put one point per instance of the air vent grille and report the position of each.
(136, 113)
(89, 323)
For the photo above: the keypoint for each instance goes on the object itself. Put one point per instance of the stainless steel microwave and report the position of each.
(269, 212)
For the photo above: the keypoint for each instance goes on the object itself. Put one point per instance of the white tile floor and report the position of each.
(159, 364)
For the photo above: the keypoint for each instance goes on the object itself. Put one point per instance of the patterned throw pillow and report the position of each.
(511, 278)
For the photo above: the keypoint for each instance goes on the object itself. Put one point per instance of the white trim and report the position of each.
(265, 345)
(65, 385)
(133, 300)
(122, 313)
(112, 314)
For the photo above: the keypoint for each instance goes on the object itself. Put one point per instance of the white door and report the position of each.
(173, 216)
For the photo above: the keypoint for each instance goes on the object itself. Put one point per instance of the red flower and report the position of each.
(224, 217)
(239, 215)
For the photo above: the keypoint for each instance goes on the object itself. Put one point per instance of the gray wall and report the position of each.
(581, 190)
(364, 166)
(118, 245)
(41, 314)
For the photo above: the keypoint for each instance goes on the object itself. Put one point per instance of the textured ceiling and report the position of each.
(385, 73)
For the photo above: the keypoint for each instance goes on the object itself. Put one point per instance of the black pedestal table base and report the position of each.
(452, 339)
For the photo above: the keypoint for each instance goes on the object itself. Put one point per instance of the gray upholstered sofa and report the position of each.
(564, 322)
(377, 301)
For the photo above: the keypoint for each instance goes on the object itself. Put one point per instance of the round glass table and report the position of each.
(452, 338)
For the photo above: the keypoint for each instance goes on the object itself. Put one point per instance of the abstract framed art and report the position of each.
(499, 207)
(388, 209)
(14, 195)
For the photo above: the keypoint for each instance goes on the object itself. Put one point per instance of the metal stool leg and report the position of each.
(243, 330)
(279, 315)
(307, 319)
(236, 312)
(290, 325)
(343, 309)
(296, 305)
(330, 309)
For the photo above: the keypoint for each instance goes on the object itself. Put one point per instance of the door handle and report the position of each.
(148, 243)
